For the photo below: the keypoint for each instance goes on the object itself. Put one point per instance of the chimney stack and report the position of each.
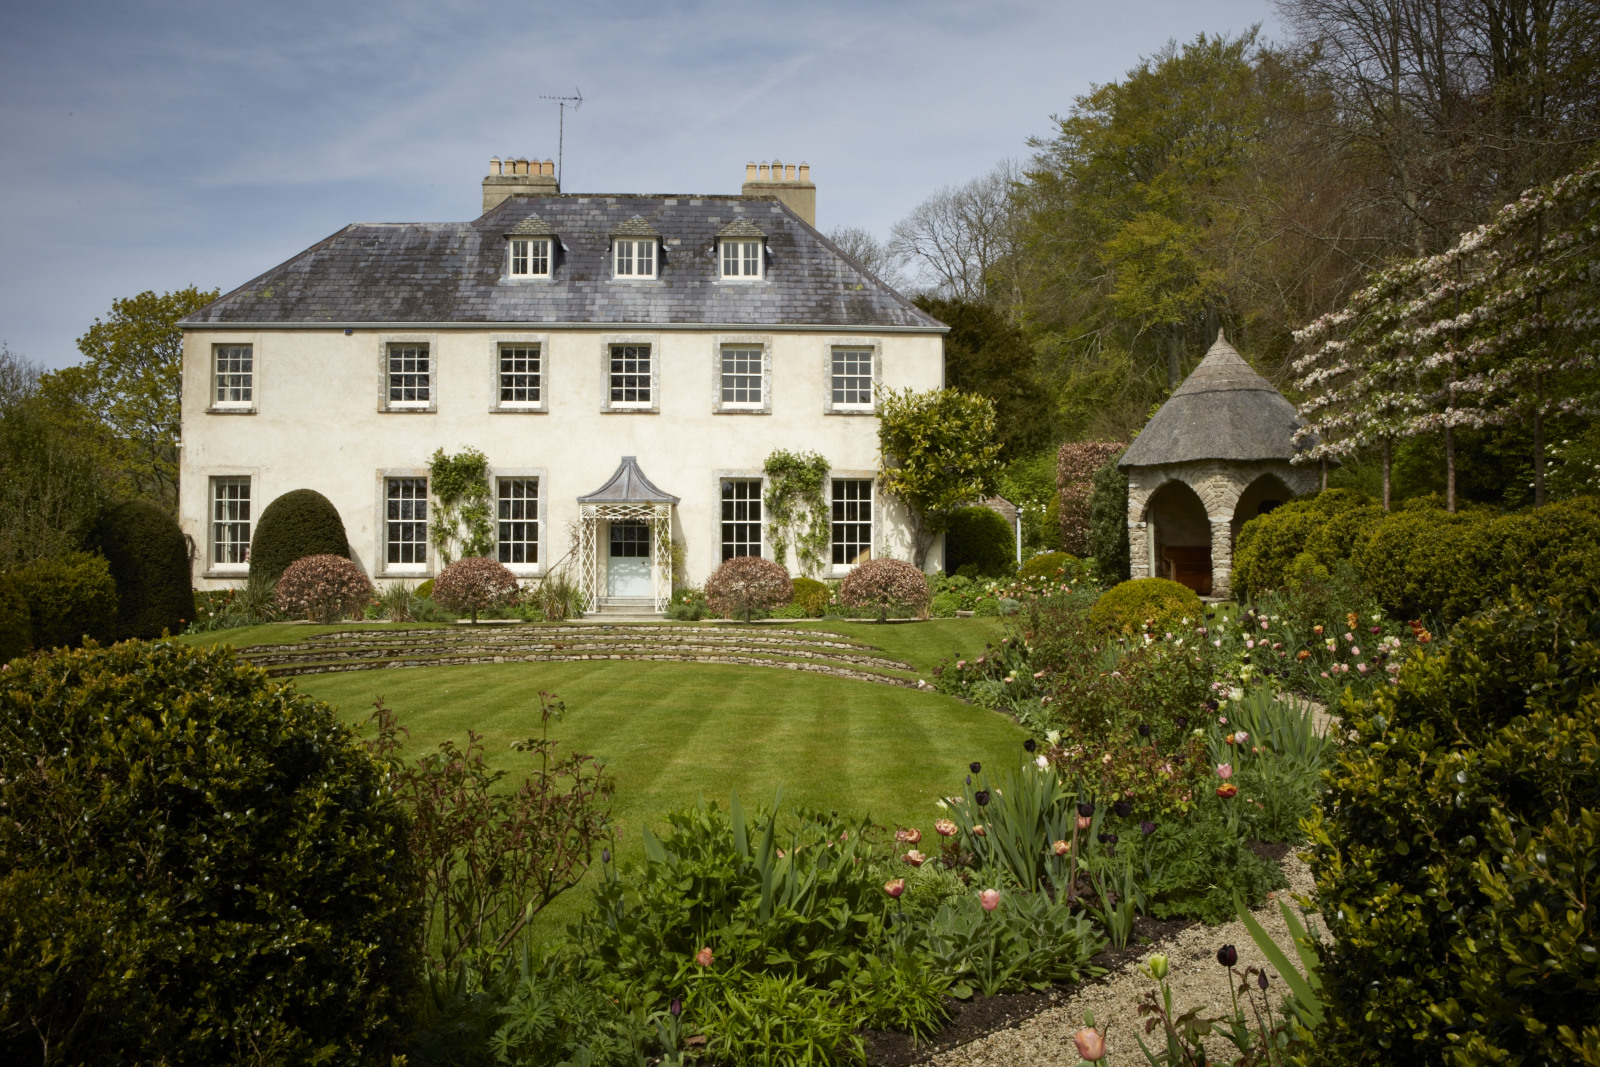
(783, 182)
(518, 176)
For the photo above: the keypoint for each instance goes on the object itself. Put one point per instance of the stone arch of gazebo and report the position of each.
(1214, 456)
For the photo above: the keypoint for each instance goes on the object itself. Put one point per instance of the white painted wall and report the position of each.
(317, 422)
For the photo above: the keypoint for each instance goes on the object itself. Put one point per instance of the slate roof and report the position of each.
(741, 227)
(628, 486)
(635, 227)
(454, 272)
(1223, 410)
(532, 226)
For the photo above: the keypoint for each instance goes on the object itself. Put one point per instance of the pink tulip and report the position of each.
(945, 828)
(703, 957)
(1083, 822)
(1241, 737)
(979, 831)
(1061, 848)
(990, 899)
(915, 858)
(1224, 771)
(1091, 1044)
(910, 837)
(895, 888)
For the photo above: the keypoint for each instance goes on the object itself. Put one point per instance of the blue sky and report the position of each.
(158, 145)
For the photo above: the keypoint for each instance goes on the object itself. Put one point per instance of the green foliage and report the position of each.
(945, 605)
(51, 483)
(1268, 544)
(300, 523)
(149, 561)
(978, 543)
(986, 354)
(545, 1013)
(987, 608)
(757, 1020)
(1049, 565)
(1027, 942)
(798, 512)
(69, 598)
(16, 624)
(1029, 482)
(197, 866)
(463, 512)
(901, 990)
(811, 596)
(123, 399)
(1158, 603)
(1108, 524)
(939, 454)
(1454, 852)
(1198, 862)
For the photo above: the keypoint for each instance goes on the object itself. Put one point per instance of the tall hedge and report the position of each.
(16, 625)
(69, 598)
(149, 560)
(197, 866)
(1455, 852)
(1268, 544)
(981, 539)
(300, 523)
(1108, 524)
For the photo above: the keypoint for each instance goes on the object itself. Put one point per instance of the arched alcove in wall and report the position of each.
(1259, 497)
(1180, 536)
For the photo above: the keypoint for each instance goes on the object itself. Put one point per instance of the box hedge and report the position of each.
(69, 598)
(300, 523)
(979, 543)
(1455, 852)
(1267, 544)
(812, 596)
(149, 560)
(1158, 602)
(197, 866)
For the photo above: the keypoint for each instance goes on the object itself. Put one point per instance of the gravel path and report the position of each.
(1195, 976)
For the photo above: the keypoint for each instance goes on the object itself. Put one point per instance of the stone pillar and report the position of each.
(1221, 556)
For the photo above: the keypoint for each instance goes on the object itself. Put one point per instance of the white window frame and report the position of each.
(759, 478)
(833, 344)
(873, 525)
(749, 259)
(386, 345)
(403, 569)
(228, 568)
(626, 251)
(722, 343)
(653, 405)
(217, 375)
(519, 340)
(542, 516)
(531, 256)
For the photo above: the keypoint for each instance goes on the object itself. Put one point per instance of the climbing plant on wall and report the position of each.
(462, 511)
(797, 508)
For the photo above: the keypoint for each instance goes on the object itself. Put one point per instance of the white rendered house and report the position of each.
(627, 364)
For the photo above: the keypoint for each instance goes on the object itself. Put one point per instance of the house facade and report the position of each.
(626, 363)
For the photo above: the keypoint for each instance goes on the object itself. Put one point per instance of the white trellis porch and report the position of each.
(627, 497)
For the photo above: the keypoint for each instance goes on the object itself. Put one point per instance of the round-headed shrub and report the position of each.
(149, 561)
(16, 628)
(1268, 544)
(424, 591)
(812, 595)
(945, 605)
(884, 583)
(323, 588)
(69, 598)
(979, 542)
(1048, 565)
(196, 865)
(745, 584)
(475, 584)
(300, 523)
(986, 608)
(1158, 602)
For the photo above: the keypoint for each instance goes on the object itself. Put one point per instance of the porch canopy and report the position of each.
(627, 496)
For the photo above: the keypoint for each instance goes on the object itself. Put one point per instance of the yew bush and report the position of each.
(885, 583)
(744, 584)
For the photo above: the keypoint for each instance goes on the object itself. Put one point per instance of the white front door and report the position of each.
(628, 567)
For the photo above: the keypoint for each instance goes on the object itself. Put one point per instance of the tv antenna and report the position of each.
(564, 102)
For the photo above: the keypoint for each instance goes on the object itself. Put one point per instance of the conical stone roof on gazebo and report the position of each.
(628, 486)
(1224, 410)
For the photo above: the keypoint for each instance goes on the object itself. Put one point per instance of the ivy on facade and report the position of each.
(797, 508)
(462, 504)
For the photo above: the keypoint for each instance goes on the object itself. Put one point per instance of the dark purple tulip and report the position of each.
(1030, 744)
(982, 797)
(675, 1009)
(1108, 839)
(976, 767)
(605, 855)
(1261, 980)
(1182, 722)
(1144, 729)
(969, 779)
(1227, 955)
(1123, 808)
(1147, 827)
(1086, 808)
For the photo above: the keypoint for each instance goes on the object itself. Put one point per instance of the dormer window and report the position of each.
(741, 250)
(530, 257)
(635, 250)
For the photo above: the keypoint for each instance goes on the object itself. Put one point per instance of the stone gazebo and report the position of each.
(1214, 456)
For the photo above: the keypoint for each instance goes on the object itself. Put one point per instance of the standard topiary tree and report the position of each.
(149, 560)
(69, 598)
(475, 584)
(1155, 602)
(197, 865)
(745, 584)
(980, 540)
(885, 583)
(300, 523)
(323, 588)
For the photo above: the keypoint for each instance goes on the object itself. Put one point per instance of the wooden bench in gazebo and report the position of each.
(1187, 566)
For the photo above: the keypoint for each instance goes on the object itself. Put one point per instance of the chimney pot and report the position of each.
(805, 172)
(749, 172)
(788, 172)
(766, 172)
(550, 167)
(494, 165)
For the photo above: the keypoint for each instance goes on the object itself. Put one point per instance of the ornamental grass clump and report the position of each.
(323, 588)
(746, 584)
(475, 584)
(885, 583)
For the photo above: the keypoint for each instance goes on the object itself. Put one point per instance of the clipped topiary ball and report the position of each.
(233, 877)
(300, 523)
(945, 605)
(1050, 566)
(149, 560)
(69, 598)
(1156, 602)
(812, 595)
(475, 584)
(979, 542)
(745, 584)
(323, 588)
(884, 583)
